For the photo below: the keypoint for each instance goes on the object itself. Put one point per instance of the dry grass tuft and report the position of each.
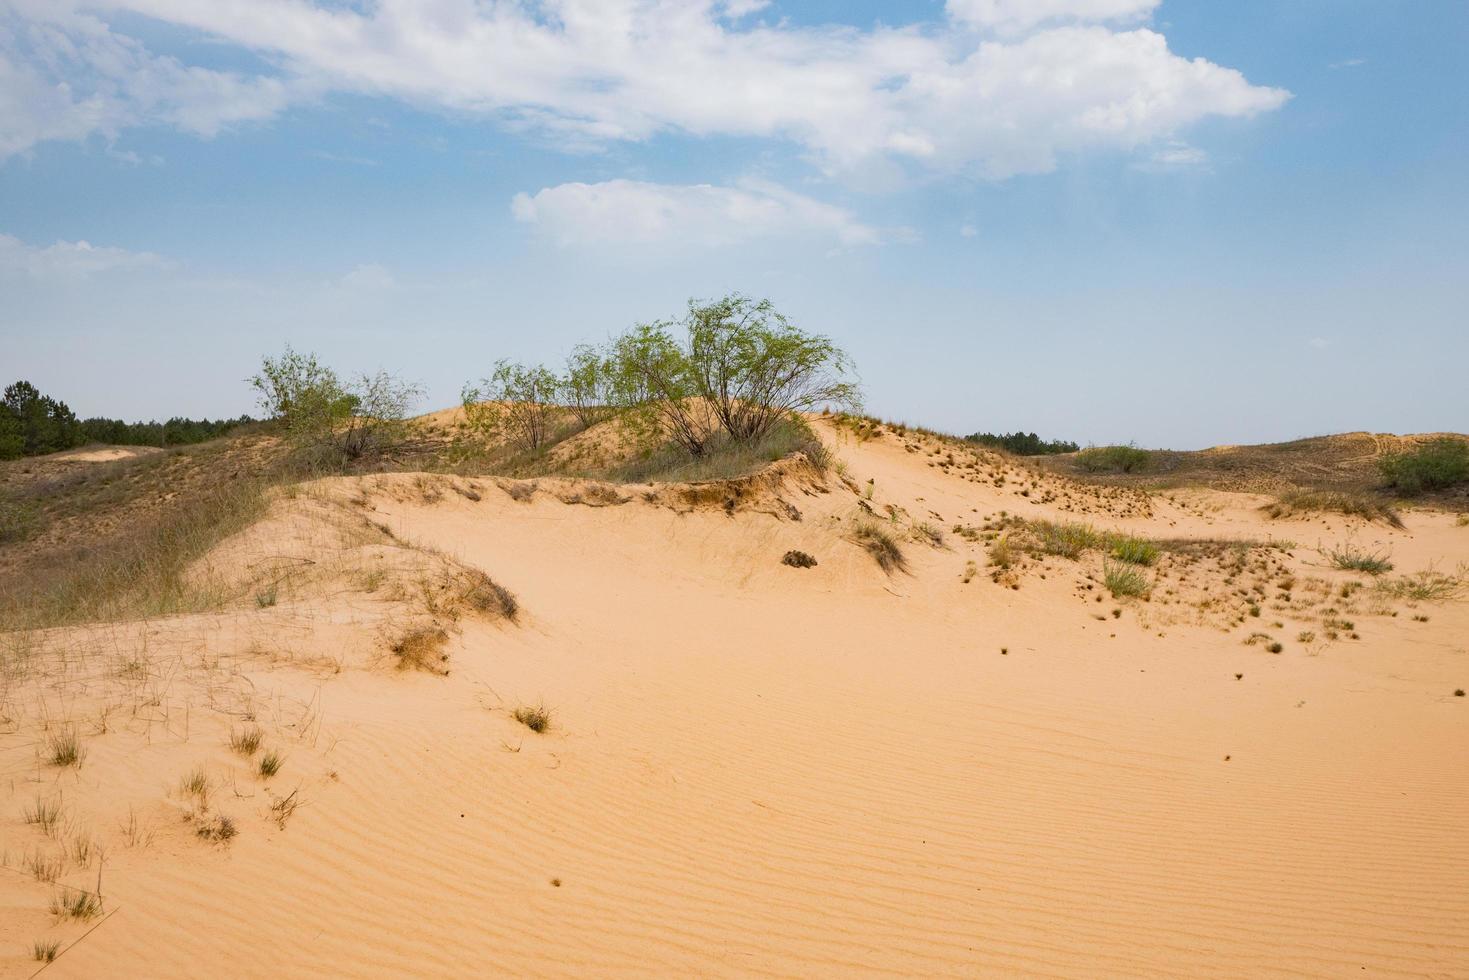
(64, 749)
(217, 828)
(246, 742)
(1124, 580)
(422, 649)
(484, 594)
(798, 559)
(73, 903)
(1425, 586)
(1361, 505)
(1348, 557)
(44, 951)
(535, 717)
(270, 764)
(881, 545)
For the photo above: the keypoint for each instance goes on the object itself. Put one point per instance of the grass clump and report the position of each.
(535, 717)
(73, 903)
(1348, 557)
(798, 559)
(44, 951)
(1124, 580)
(881, 545)
(65, 750)
(270, 764)
(247, 741)
(486, 595)
(1360, 505)
(1134, 551)
(422, 649)
(266, 598)
(1435, 465)
(1113, 459)
(43, 814)
(218, 829)
(1068, 540)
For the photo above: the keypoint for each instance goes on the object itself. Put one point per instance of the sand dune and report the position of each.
(756, 769)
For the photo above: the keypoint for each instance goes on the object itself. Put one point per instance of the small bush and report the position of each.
(1435, 465)
(881, 545)
(1135, 551)
(422, 649)
(1349, 557)
(1124, 580)
(1113, 459)
(535, 717)
(798, 559)
(488, 596)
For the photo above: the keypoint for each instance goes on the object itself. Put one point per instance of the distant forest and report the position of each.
(1023, 443)
(32, 424)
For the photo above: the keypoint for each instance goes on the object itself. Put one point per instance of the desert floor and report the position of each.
(952, 769)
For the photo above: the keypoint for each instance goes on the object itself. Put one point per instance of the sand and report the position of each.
(754, 769)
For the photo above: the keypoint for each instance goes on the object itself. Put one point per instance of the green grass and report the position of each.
(1348, 557)
(1134, 551)
(270, 764)
(1113, 459)
(1125, 580)
(1436, 465)
(1069, 540)
(246, 742)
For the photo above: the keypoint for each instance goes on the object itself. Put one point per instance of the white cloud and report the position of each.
(1174, 156)
(70, 260)
(634, 212)
(1019, 15)
(968, 231)
(65, 76)
(939, 97)
(1349, 63)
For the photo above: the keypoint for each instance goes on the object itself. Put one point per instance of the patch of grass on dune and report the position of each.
(1361, 505)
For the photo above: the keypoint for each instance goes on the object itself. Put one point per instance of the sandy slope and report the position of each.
(755, 769)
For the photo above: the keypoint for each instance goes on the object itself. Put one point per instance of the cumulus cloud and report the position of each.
(964, 94)
(65, 75)
(703, 215)
(70, 260)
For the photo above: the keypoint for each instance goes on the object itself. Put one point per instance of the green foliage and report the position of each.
(1023, 443)
(1435, 465)
(515, 402)
(1349, 557)
(32, 424)
(1068, 540)
(317, 409)
(587, 385)
(1113, 459)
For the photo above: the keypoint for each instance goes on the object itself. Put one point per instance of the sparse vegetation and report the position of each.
(44, 951)
(1348, 557)
(216, 828)
(536, 717)
(1124, 580)
(270, 764)
(1435, 465)
(1113, 459)
(798, 559)
(1361, 505)
(319, 411)
(422, 649)
(1429, 585)
(266, 598)
(44, 813)
(881, 545)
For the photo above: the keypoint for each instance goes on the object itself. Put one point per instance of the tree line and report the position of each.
(32, 424)
(1023, 443)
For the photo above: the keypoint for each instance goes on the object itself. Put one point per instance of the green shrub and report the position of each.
(1435, 465)
(1113, 459)
(1349, 557)
(1068, 540)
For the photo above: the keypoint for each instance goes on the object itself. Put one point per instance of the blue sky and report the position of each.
(1181, 223)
